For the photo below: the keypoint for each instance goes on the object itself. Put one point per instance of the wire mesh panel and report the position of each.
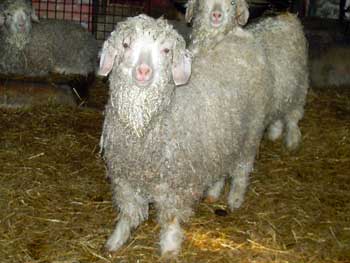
(98, 16)
(108, 13)
(74, 10)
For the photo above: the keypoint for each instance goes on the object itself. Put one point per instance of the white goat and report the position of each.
(169, 145)
(285, 45)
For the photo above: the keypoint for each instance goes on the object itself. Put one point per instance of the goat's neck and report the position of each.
(137, 108)
(16, 40)
(204, 38)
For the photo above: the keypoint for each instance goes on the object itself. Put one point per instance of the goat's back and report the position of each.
(285, 44)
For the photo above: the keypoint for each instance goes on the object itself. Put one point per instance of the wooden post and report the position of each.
(342, 10)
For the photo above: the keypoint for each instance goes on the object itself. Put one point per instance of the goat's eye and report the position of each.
(166, 50)
(125, 45)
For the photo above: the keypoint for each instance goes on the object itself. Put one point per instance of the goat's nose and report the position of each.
(143, 71)
(21, 21)
(217, 15)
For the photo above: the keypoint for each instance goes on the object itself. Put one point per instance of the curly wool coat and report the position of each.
(50, 46)
(196, 134)
(285, 46)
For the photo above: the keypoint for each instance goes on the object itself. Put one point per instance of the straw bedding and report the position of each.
(55, 203)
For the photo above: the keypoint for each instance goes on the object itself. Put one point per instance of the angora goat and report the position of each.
(44, 47)
(285, 46)
(169, 145)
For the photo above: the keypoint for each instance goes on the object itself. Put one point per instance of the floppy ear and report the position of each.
(242, 12)
(108, 57)
(181, 67)
(34, 17)
(189, 10)
(2, 19)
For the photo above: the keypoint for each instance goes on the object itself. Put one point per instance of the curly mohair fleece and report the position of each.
(50, 46)
(284, 43)
(194, 135)
(203, 36)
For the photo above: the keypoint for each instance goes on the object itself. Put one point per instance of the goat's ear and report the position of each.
(190, 10)
(181, 68)
(2, 19)
(34, 17)
(242, 12)
(108, 57)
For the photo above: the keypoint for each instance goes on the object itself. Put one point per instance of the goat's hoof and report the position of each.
(210, 199)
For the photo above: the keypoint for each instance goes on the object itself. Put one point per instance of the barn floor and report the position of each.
(55, 204)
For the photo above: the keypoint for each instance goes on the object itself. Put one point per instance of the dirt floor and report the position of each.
(55, 203)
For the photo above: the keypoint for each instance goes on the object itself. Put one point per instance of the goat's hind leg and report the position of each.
(242, 169)
(239, 183)
(215, 191)
(275, 130)
(293, 135)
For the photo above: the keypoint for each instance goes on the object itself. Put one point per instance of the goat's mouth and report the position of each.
(216, 24)
(143, 82)
(22, 28)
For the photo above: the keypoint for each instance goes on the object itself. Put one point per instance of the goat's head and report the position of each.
(218, 14)
(17, 16)
(146, 48)
(146, 57)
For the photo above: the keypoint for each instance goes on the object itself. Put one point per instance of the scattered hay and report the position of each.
(55, 204)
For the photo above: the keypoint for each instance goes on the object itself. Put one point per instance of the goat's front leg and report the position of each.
(133, 210)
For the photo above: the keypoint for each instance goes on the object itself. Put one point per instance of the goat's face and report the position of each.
(147, 51)
(218, 14)
(147, 57)
(19, 21)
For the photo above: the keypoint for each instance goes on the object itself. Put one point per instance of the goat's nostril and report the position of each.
(216, 15)
(143, 71)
